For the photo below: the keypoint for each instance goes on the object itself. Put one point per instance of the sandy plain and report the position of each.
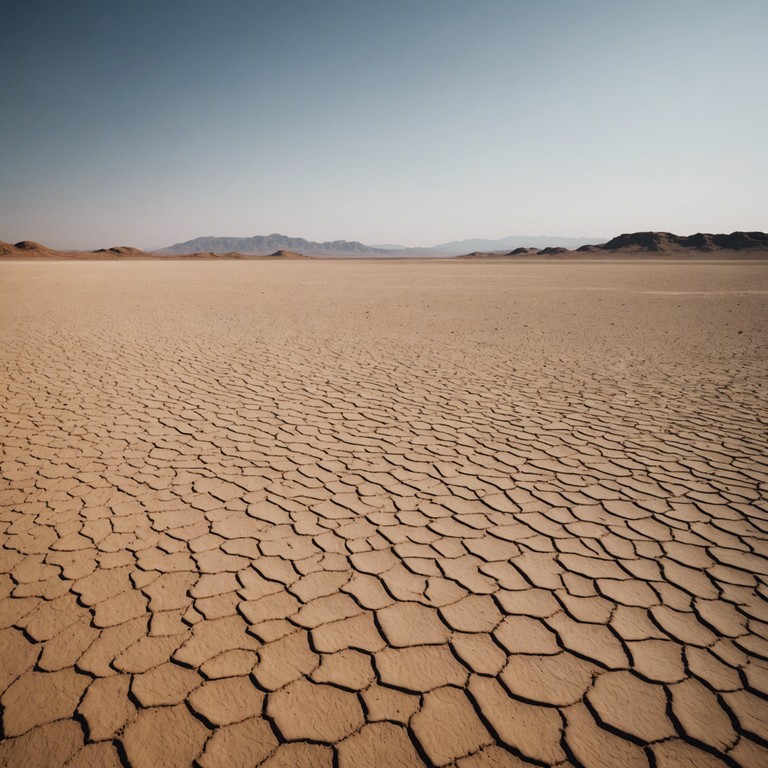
(384, 514)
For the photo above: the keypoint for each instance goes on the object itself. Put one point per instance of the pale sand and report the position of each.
(417, 513)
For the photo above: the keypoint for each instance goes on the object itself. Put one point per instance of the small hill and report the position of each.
(29, 248)
(123, 250)
(29, 245)
(282, 254)
(484, 255)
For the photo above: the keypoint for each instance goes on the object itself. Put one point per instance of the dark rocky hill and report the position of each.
(666, 241)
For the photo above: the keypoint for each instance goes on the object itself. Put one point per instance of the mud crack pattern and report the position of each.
(229, 543)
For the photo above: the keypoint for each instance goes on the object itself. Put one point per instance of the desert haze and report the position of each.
(660, 245)
(475, 513)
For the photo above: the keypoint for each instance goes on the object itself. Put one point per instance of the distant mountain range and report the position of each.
(264, 244)
(738, 245)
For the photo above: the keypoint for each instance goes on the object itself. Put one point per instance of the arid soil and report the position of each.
(317, 514)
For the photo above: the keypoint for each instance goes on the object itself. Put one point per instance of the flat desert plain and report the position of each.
(318, 514)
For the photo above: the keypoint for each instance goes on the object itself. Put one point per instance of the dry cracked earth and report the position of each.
(408, 514)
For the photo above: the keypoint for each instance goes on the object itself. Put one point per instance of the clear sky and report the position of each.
(407, 121)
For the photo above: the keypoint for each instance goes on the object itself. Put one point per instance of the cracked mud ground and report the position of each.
(343, 514)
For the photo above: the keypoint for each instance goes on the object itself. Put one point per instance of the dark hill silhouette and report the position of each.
(656, 242)
(281, 254)
(733, 245)
(122, 250)
(30, 246)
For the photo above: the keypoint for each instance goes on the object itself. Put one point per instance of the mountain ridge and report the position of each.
(267, 244)
(701, 241)
(739, 244)
(640, 243)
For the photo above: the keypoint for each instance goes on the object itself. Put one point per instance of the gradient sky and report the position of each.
(408, 121)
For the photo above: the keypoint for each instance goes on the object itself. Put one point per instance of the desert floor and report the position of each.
(317, 514)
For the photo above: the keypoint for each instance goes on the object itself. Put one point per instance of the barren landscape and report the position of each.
(332, 513)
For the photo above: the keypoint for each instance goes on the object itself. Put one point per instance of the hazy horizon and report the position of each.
(415, 124)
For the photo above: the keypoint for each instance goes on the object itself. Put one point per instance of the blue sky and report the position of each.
(407, 121)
